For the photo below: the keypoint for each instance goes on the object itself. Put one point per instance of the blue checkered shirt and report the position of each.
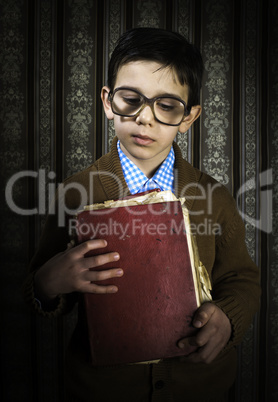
(137, 182)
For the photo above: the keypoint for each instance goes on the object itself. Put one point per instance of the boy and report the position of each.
(154, 82)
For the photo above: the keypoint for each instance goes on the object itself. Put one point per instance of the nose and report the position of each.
(146, 115)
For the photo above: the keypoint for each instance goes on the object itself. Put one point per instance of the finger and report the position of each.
(83, 248)
(207, 347)
(203, 315)
(96, 276)
(99, 260)
(187, 345)
(205, 334)
(197, 341)
(205, 354)
(98, 289)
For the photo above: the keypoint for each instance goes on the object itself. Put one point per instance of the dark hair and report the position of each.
(165, 47)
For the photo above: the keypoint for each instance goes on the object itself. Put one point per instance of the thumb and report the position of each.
(203, 315)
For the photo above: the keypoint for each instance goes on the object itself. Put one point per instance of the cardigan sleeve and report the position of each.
(88, 186)
(236, 283)
(54, 240)
(76, 191)
(235, 278)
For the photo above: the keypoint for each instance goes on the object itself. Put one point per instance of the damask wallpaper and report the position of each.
(53, 63)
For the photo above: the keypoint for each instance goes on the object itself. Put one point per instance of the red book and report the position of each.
(160, 289)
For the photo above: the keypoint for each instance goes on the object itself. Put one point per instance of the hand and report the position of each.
(213, 334)
(70, 271)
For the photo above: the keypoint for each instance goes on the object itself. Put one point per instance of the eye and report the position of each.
(165, 105)
(132, 100)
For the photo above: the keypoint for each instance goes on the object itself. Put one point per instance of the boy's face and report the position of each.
(143, 139)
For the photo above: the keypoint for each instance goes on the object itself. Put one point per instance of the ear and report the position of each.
(189, 120)
(106, 103)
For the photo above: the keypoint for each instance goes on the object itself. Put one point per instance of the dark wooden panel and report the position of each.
(14, 130)
(247, 163)
(116, 16)
(271, 137)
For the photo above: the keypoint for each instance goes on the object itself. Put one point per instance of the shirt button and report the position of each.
(159, 384)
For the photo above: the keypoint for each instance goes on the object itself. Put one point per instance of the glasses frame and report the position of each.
(147, 102)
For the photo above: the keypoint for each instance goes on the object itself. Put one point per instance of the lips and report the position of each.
(142, 139)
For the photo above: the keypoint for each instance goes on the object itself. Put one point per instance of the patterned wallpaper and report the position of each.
(53, 63)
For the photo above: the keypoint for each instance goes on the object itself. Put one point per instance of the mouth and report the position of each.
(142, 139)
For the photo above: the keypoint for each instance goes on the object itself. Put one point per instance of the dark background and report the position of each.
(53, 63)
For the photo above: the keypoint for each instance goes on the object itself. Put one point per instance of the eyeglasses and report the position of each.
(167, 110)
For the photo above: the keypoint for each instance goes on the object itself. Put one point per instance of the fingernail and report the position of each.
(116, 256)
(181, 345)
(197, 324)
(120, 272)
(114, 290)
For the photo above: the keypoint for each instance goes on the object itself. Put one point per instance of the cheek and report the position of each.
(118, 126)
(167, 134)
(121, 125)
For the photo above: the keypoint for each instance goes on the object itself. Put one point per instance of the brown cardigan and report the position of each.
(235, 282)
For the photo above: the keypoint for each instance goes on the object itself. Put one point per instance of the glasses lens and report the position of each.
(127, 102)
(169, 110)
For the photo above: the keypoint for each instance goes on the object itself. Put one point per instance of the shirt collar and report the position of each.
(137, 181)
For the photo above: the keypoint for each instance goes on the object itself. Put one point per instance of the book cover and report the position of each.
(161, 287)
